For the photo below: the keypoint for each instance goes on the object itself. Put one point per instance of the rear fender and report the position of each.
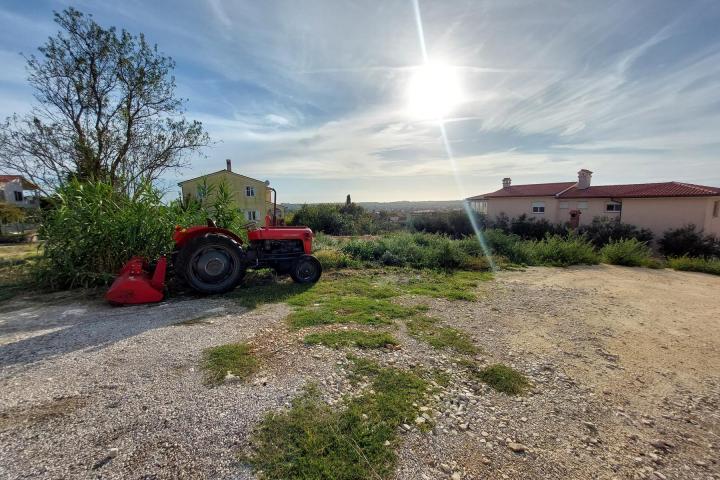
(183, 235)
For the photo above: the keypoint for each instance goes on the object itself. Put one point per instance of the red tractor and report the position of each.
(213, 260)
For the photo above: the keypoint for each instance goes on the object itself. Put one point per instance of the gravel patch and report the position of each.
(90, 391)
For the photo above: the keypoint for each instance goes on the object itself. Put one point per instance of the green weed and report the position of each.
(438, 336)
(348, 309)
(690, 264)
(347, 338)
(504, 379)
(356, 441)
(235, 358)
(453, 286)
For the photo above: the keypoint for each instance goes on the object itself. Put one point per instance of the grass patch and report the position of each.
(235, 358)
(16, 264)
(453, 286)
(630, 253)
(331, 259)
(431, 332)
(349, 309)
(355, 441)
(263, 286)
(347, 338)
(691, 264)
(504, 379)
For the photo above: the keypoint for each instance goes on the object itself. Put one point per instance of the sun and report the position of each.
(434, 91)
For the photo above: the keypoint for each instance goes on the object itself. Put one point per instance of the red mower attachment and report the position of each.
(136, 284)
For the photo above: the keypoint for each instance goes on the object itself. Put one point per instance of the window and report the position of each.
(538, 207)
(18, 196)
(251, 214)
(479, 206)
(716, 208)
(563, 205)
(582, 205)
(249, 191)
(613, 207)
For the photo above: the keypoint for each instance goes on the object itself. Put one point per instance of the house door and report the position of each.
(574, 218)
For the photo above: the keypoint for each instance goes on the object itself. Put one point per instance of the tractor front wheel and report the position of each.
(211, 263)
(306, 269)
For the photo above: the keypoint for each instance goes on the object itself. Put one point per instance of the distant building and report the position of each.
(16, 190)
(655, 206)
(251, 196)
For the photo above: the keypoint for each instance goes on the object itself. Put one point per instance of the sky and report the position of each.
(313, 95)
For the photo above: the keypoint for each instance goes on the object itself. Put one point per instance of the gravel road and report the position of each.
(625, 366)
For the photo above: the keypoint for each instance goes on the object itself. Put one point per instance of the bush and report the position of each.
(455, 224)
(602, 230)
(704, 265)
(507, 245)
(533, 229)
(334, 219)
(686, 241)
(92, 230)
(631, 253)
(557, 251)
(417, 250)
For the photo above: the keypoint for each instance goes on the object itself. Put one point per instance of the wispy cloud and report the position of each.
(313, 93)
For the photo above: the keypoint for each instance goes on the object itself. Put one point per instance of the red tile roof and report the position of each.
(531, 190)
(636, 190)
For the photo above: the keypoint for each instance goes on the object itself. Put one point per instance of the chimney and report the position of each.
(228, 165)
(506, 182)
(584, 177)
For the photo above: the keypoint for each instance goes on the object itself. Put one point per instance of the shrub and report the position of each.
(507, 245)
(455, 224)
(560, 252)
(631, 253)
(417, 250)
(334, 219)
(531, 228)
(689, 264)
(686, 241)
(92, 230)
(603, 229)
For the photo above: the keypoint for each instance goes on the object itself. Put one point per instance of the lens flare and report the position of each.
(435, 75)
(434, 91)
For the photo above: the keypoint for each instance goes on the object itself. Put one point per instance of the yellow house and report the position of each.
(251, 196)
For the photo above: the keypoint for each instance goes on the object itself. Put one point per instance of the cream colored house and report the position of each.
(655, 206)
(252, 197)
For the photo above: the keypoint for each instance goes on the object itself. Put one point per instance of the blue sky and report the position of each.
(313, 94)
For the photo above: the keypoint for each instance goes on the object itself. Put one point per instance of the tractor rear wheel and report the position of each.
(306, 269)
(211, 263)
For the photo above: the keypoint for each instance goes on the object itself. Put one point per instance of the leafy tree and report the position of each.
(107, 111)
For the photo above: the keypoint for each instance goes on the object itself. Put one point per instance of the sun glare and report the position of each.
(433, 92)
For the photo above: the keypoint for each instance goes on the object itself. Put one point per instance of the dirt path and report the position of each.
(625, 365)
